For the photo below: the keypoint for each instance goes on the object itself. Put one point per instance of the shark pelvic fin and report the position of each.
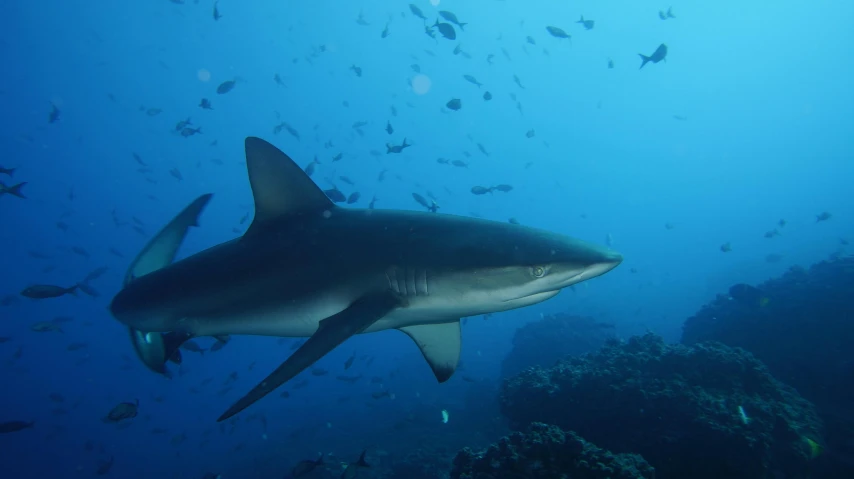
(332, 331)
(161, 250)
(154, 349)
(440, 344)
(280, 187)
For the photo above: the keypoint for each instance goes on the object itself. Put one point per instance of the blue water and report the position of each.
(763, 90)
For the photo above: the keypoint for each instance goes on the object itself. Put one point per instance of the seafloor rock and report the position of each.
(556, 336)
(546, 451)
(803, 329)
(707, 411)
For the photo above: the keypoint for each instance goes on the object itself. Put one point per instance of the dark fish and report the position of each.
(7, 171)
(417, 12)
(823, 217)
(357, 70)
(487, 96)
(659, 54)
(205, 104)
(14, 190)
(588, 24)
(726, 247)
(558, 33)
(15, 426)
(54, 114)
(335, 195)
(388, 128)
(309, 169)
(452, 18)
(748, 295)
(122, 411)
(454, 104)
(306, 466)
(396, 148)
(665, 15)
(349, 361)
(225, 87)
(473, 80)
(44, 291)
(353, 198)
(188, 132)
(430, 205)
(446, 29)
(216, 14)
(503, 188)
(480, 190)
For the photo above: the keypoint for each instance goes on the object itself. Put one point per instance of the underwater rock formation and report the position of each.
(802, 329)
(545, 451)
(707, 411)
(556, 336)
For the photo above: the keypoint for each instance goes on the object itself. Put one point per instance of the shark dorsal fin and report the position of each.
(280, 187)
(440, 344)
(161, 250)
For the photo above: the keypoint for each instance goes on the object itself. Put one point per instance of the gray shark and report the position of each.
(308, 268)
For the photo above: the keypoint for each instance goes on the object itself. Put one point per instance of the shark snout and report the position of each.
(609, 261)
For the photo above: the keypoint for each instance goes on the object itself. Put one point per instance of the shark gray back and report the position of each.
(308, 268)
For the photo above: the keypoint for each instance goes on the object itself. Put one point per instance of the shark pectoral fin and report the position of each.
(279, 186)
(332, 331)
(440, 344)
(161, 250)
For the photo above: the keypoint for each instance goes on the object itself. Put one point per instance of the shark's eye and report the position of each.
(538, 271)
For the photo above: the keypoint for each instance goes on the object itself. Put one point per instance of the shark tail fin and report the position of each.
(361, 462)
(15, 190)
(645, 59)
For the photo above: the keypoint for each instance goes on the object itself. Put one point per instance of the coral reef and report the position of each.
(544, 342)
(803, 332)
(546, 451)
(708, 411)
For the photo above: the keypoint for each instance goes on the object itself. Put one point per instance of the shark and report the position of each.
(308, 268)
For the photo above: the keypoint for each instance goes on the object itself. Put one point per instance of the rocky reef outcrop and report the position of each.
(556, 336)
(802, 328)
(546, 451)
(707, 411)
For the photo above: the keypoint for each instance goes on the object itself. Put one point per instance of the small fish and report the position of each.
(226, 87)
(385, 32)
(188, 132)
(665, 15)
(472, 80)
(558, 33)
(726, 247)
(396, 148)
(309, 169)
(487, 96)
(658, 55)
(353, 198)
(44, 291)
(417, 12)
(480, 190)
(452, 18)
(454, 104)
(216, 14)
(335, 195)
(530, 133)
(357, 70)
(588, 24)
(431, 205)
(388, 128)
(183, 124)
(205, 104)
(446, 29)
(503, 188)
(823, 217)
(176, 173)
(54, 114)
(7, 171)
